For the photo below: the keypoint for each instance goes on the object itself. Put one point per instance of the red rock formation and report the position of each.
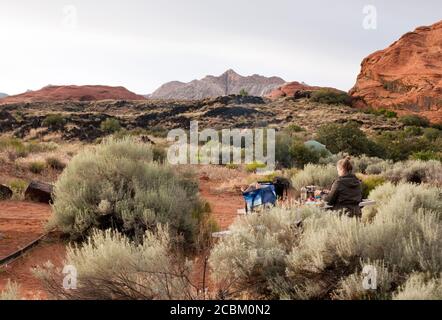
(289, 90)
(406, 77)
(73, 93)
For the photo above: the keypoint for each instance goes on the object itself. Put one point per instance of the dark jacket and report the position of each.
(346, 193)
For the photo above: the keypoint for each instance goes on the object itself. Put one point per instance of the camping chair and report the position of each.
(263, 196)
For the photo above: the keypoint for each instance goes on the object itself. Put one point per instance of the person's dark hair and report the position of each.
(345, 164)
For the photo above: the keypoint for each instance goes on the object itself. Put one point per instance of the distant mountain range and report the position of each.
(3, 95)
(74, 93)
(228, 83)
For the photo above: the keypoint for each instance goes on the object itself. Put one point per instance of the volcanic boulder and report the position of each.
(39, 192)
(405, 77)
(5, 192)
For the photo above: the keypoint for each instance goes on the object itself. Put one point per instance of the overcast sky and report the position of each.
(142, 44)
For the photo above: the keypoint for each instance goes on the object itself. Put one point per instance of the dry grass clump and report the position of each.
(11, 291)
(117, 185)
(111, 267)
(420, 287)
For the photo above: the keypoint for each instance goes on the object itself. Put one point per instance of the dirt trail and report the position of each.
(20, 223)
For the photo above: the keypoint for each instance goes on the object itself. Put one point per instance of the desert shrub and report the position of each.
(291, 151)
(55, 163)
(111, 266)
(420, 287)
(249, 260)
(110, 125)
(426, 156)
(18, 187)
(414, 120)
(55, 121)
(37, 167)
(159, 153)
(390, 197)
(318, 175)
(369, 183)
(295, 128)
(347, 138)
(11, 291)
(254, 166)
(329, 96)
(384, 112)
(398, 145)
(232, 166)
(432, 134)
(361, 164)
(416, 171)
(243, 92)
(116, 184)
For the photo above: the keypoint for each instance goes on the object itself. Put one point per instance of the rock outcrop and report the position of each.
(73, 93)
(210, 87)
(405, 77)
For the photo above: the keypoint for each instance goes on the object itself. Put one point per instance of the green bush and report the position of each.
(426, 156)
(117, 185)
(291, 151)
(317, 175)
(398, 145)
(55, 163)
(37, 167)
(329, 96)
(347, 138)
(369, 183)
(414, 120)
(243, 92)
(254, 166)
(56, 121)
(432, 134)
(110, 125)
(18, 187)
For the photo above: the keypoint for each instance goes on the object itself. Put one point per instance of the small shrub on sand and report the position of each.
(110, 125)
(18, 188)
(37, 167)
(369, 183)
(117, 185)
(55, 163)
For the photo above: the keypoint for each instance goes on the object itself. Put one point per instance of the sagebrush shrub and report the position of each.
(254, 255)
(420, 287)
(111, 266)
(116, 185)
(318, 175)
(416, 171)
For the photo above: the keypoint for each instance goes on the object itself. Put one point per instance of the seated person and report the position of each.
(346, 191)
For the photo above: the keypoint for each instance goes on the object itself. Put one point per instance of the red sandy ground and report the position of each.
(21, 222)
